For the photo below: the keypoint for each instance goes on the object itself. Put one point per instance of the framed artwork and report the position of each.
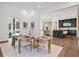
(32, 24)
(24, 24)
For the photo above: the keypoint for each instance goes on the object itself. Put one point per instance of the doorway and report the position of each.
(47, 28)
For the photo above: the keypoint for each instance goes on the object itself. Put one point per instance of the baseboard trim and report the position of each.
(4, 41)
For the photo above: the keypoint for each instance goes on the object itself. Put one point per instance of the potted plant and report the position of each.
(13, 41)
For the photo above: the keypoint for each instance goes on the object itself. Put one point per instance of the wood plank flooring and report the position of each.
(71, 48)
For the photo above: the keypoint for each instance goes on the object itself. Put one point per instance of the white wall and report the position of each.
(7, 12)
(62, 14)
(66, 13)
(34, 18)
(1, 22)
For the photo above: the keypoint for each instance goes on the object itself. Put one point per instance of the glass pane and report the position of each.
(17, 25)
(9, 26)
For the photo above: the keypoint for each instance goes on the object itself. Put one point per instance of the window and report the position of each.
(10, 26)
(17, 25)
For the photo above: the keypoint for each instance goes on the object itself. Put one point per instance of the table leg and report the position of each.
(31, 45)
(49, 49)
(49, 46)
(19, 46)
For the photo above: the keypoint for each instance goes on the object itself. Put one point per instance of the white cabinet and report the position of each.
(14, 26)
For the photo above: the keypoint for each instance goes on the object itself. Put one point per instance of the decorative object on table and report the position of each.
(32, 24)
(35, 43)
(24, 24)
(13, 41)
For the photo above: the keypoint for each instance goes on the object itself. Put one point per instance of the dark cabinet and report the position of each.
(57, 33)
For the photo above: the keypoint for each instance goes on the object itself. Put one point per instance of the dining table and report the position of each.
(35, 43)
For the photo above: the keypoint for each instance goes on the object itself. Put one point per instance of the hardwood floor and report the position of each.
(71, 48)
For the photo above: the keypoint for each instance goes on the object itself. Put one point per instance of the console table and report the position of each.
(60, 34)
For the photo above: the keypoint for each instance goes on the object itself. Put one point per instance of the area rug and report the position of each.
(8, 51)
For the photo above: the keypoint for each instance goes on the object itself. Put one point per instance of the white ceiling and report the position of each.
(42, 6)
(32, 5)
